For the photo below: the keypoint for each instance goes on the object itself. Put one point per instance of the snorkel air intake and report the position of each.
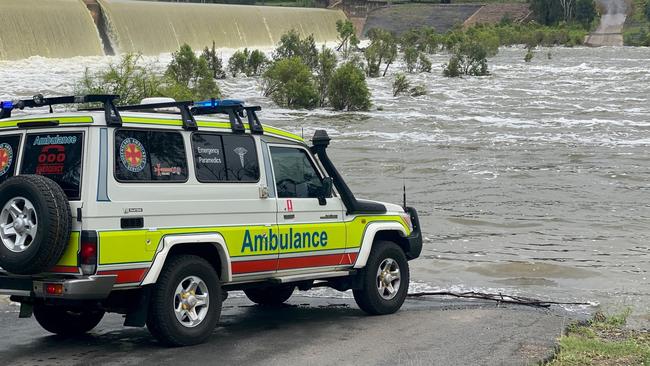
(320, 141)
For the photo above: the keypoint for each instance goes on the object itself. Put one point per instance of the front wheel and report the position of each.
(385, 280)
(66, 321)
(185, 303)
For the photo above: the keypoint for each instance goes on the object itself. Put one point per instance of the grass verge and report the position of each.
(603, 341)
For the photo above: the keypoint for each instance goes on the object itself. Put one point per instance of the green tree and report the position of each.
(289, 83)
(411, 58)
(189, 77)
(214, 62)
(547, 12)
(382, 49)
(529, 54)
(292, 45)
(347, 36)
(424, 64)
(238, 62)
(469, 58)
(324, 72)
(348, 89)
(585, 12)
(256, 62)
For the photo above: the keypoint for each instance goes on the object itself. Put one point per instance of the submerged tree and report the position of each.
(214, 62)
(292, 45)
(469, 58)
(382, 50)
(348, 89)
(289, 83)
(347, 36)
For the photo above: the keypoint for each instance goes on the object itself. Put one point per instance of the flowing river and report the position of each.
(532, 181)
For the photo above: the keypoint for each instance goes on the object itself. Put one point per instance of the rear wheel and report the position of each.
(35, 223)
(185, 302)
(66, 321)
(385, 280)
(273, 295)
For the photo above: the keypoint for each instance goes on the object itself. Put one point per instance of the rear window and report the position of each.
(150, 156)
(8, 148)
(225, 158)
(56, 156)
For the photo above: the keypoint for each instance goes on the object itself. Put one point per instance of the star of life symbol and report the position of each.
(241, 152)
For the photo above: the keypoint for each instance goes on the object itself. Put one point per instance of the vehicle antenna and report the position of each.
(302, 132)
(404, 191)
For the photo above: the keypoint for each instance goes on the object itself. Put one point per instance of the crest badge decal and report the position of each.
(6, 157)
(133, 155)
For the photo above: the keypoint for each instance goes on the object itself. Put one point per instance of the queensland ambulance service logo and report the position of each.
(133, 155)
(6, 157)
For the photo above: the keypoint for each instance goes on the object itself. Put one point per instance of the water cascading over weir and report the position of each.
(48, 28)
(68, 28)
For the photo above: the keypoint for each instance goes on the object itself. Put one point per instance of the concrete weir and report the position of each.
(69, 28)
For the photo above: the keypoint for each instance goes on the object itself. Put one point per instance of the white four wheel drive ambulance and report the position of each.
(158, 215)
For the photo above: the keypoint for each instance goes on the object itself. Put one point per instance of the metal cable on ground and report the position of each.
(508, 299)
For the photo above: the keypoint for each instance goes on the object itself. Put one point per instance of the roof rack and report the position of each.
(233, 108)
(189, 123)
(113, 117)
(235, 111)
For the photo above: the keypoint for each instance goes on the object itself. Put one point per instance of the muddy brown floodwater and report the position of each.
(533, 181)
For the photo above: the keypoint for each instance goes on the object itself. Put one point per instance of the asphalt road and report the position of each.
(309, 331)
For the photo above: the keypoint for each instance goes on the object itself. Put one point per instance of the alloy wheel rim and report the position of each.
(191, 301)
(388, 279)
(18, 224)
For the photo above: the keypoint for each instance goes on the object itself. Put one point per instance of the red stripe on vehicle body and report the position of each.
(293, 263)
(262, 265)
(126, 275)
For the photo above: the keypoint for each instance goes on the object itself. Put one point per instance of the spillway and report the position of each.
(155, 27)
(48, 28)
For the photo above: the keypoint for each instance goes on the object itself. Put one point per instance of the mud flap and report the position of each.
(137, 315)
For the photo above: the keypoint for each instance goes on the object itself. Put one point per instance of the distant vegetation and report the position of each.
(637, 25)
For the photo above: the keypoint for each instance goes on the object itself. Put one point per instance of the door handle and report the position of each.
(329, 217)
(289, 216)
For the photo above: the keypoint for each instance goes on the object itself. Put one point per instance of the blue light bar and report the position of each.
(219, 103)
(7, 105)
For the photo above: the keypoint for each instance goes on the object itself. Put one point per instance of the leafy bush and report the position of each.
(292, 45)
(348, 89)
(469, 58)
(187, 78)
(214, 62)
(289, 83)
(382, 49)
(128, 78)
(424, 64)
(400, 84)
(250, 63)
(324, 72)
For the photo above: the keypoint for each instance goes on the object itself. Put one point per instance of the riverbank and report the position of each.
(637, 25)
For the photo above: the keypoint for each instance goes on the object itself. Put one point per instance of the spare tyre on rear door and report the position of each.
(35, 224)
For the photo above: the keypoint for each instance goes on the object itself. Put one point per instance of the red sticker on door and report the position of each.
(289, 205)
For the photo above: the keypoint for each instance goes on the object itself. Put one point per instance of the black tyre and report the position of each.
(272, 295)
(385, 280)
(66, 321)
(185, 302)
(36, 220)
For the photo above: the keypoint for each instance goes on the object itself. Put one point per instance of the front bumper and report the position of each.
(414, 241)
(82, 288)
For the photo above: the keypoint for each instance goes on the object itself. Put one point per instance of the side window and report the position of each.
(56, 156)
(295, 175)
(150, 156)
(225, 158)
(8, 148)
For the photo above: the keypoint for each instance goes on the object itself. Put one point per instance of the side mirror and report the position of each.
(328, 182)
